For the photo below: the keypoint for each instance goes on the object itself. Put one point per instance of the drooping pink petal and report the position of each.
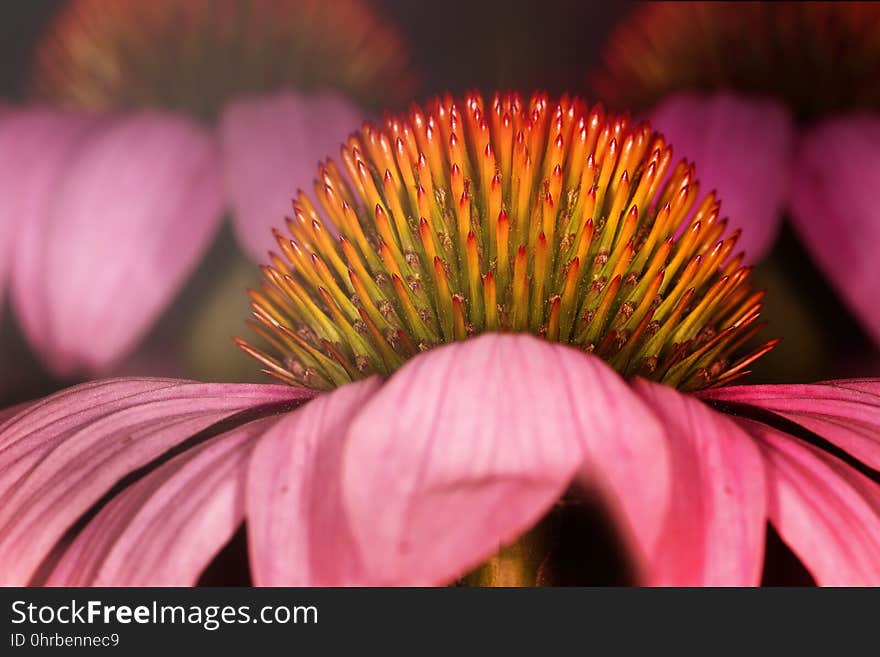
(298, 531)
(827, 512)
(468, 445)
(715, 527)
(165, 529)
(741, 147)
(62, 454)
(131, 211)
(846, 413)
(36, 148)
(835, 212)
(271, 148)
(627, 459)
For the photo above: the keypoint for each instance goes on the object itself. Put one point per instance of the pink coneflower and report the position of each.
(283, 80)
(778, 101)
(162, 114)
(527, 303)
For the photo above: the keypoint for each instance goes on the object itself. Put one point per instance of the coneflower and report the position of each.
(432, 463)
(163, 115)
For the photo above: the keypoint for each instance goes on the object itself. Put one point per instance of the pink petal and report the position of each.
(714, 531)
(8, 219)
(165, 529)
(846, 413)
(271, 148)
(132, 211)
(627, 459)
(36, 147)
(741, 147)
(62, 454)
(827, 513)
(468, 445)
(298, 532)
(834, 208)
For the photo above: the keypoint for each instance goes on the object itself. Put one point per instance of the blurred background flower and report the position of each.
(779, 103)
(283, 81)
(153, 117)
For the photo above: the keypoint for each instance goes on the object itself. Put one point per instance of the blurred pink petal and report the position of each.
(835, 211)
(298, 530)
(846, 413)
(8, 223)
(271, 148)
(8, 220)
(122, 208)
(133, 214)
(468, 445)
(165, 529)
(742, 147)
(62, 454)
(826, 512)
(714, 532)
(36, 147)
